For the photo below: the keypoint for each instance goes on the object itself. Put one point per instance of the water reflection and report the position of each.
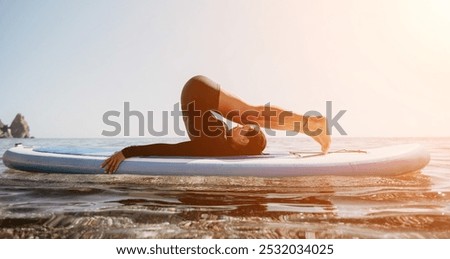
(414, 205)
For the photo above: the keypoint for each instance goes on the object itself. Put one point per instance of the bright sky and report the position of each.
(63, 64)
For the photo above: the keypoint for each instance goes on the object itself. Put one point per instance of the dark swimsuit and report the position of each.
(207, 133)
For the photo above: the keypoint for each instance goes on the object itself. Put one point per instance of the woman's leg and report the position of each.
(199, 97)
(237, 110)
(205, 95)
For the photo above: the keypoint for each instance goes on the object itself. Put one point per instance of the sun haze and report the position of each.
(64, 64)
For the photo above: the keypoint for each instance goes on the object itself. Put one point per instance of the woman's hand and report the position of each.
(112, 164)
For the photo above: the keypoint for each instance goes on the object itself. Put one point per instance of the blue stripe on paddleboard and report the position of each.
(82, 151)
(105, 151)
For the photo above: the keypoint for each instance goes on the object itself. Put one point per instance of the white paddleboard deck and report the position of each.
(390, 160)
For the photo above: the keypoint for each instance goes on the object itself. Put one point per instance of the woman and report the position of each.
(210, 137)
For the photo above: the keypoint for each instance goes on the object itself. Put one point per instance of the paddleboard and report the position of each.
(389, 160)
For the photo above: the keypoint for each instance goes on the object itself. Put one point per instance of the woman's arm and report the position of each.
(187, 148)
(112, 163)
(213, 147)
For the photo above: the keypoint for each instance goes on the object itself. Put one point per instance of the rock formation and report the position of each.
(4, 130)
(19, 127)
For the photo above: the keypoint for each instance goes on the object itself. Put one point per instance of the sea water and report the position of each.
(413, 205)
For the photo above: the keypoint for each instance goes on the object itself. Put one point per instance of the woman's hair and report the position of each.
(257, 142)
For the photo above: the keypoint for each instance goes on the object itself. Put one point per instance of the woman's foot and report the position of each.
(317, 129)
